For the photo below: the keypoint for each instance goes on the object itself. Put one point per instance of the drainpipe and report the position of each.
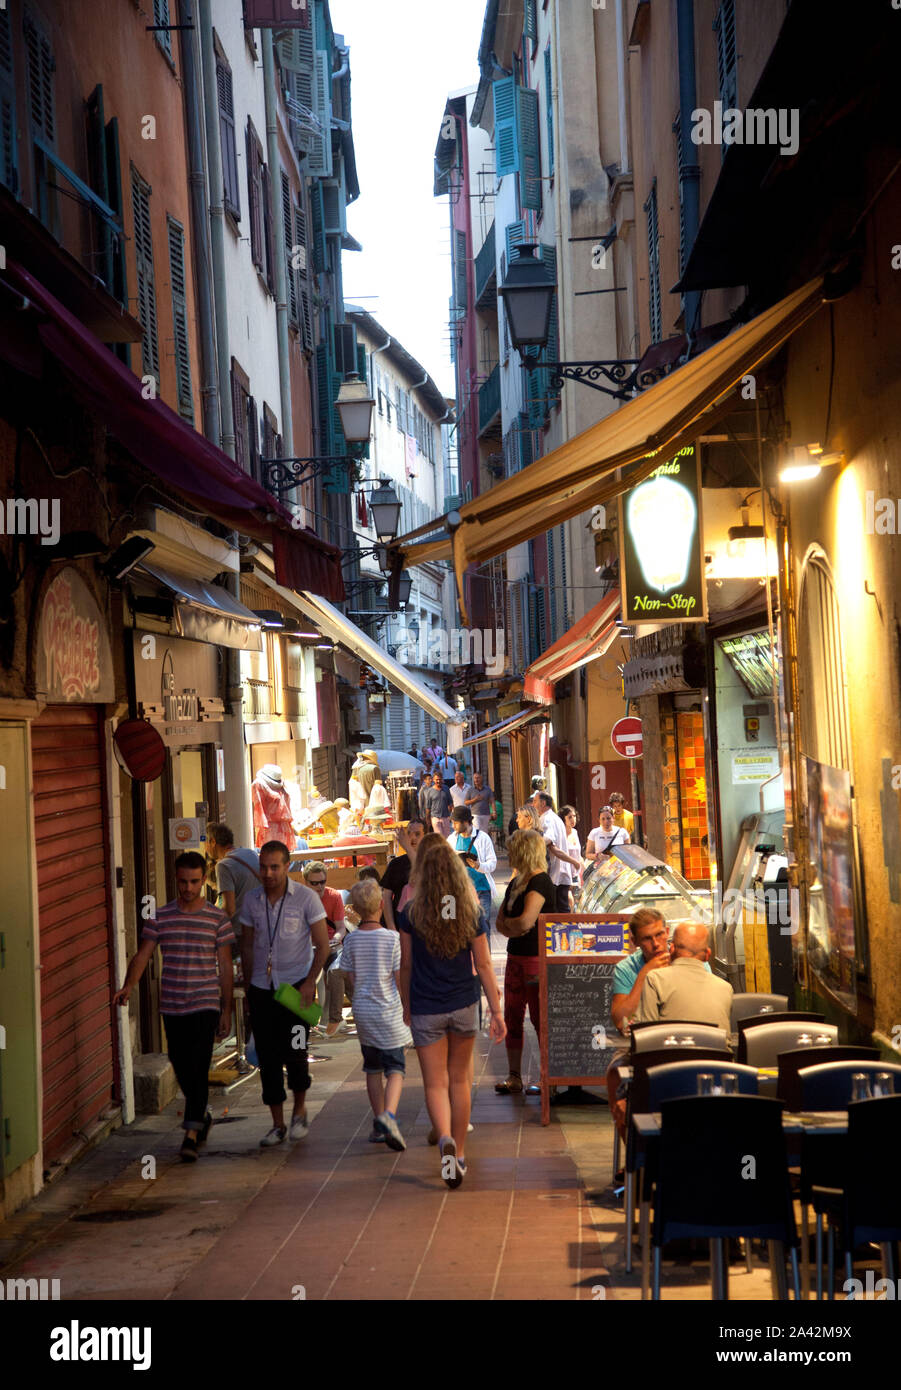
(281, 264)
(237, 772)
(200, 240)
(689, 172)
(217, 224)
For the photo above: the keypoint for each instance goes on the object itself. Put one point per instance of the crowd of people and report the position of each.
(408, 950)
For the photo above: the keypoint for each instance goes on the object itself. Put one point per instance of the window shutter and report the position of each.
(529, 149)
(460, 271)
(552, 351)
(253, 439)
(268, 242)
(161, 16)
(320, 260)
(515, 236)
(323, 386)
(319, 159)
(287, 232)
(335, 480)
(8, 172)
(143, 243)
(552, 585)
(227, 139)
(680, 166)
(345, 349)
(41, 67)
(332, 204)
(240, 398)
(506, 146)
(549, 109)
(180, 318)
(361, 362)
(255, 198)
(530, 20)
(726, 57)
(654, 308)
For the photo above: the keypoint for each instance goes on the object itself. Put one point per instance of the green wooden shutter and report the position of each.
(114, 184)
(506, 145)
(143, 244)
(530, 19)
(320, 256)
(515, 235)
(323, 378)
(335, 480)
(288, 233)
(529, 149)
(319, 159)
(180, 318)
(552, 351)
(549, 109)
(460, 298)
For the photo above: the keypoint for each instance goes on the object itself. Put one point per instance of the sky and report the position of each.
(405, 57)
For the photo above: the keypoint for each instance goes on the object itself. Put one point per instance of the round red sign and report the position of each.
(139, 748)
(626, 738)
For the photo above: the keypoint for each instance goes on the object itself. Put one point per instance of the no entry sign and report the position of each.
(626, 738)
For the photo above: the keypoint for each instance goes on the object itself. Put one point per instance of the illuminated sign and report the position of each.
(662, 559)
(753, 658)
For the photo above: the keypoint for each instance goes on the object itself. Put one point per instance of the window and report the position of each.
(259, 203)
(8, 172)
(726, 57)
(654, 307)
(180, 318)
(161, 17)
(460, 271)
(227, 140)
(143, 244)
(41, 67)
(241, 412)
(272, 440)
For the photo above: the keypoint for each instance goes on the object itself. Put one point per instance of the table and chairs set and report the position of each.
(725, 1133)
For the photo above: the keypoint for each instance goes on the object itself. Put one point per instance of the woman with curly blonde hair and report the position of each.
(444, 957)
(529, 894)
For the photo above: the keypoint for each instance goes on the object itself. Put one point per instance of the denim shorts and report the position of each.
(431, 1028)
(383, 1059)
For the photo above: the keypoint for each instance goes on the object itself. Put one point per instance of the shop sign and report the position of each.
(74, 665)
(758, 766)
(661, 545)
(177, 684)
(186, 832)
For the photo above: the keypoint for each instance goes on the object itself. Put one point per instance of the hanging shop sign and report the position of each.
(278, 14)
(661, 546)
(139, 749)
(177, 688)
(74, 664)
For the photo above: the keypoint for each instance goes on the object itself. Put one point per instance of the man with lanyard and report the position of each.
(559, 859)
(480, 802)
(477, 853)
(196, 996)
(285, 942)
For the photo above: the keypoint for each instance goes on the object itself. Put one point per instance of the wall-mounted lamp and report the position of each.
(807, 461)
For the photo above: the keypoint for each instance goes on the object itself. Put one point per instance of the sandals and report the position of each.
(511, 1087)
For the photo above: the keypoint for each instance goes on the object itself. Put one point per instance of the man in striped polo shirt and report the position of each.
(196, 995)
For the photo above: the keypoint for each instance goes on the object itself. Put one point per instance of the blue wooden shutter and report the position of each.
(529, 149)
(506, 145)
(552, 351)
(8, 173)
(515, 236)
(549, 109)
(320, 258)
(530, 20)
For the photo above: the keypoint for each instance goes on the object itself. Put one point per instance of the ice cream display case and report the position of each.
(630, 878)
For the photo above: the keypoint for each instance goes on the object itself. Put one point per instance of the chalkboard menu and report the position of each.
(578, 1036)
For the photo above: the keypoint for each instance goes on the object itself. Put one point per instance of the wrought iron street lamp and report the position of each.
(385, 507)
(355, 407)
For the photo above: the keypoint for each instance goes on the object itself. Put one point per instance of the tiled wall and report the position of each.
(682, 752)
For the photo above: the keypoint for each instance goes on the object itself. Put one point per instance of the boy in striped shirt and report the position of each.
(196, 994)
(370, 959)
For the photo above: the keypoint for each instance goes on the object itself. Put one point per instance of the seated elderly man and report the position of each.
(688, 990)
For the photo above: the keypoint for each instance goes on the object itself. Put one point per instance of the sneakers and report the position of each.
(299, 1127)
(386, 1124)
(188, 1151)
(452, 1170)
(204, 1133)
(275, 1136)
(376, 1137)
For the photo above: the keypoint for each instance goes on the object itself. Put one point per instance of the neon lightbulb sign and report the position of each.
(662, 516)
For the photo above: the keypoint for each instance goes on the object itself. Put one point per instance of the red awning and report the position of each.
(588, 638)
(175, 452)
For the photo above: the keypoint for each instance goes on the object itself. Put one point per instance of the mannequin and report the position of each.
(363, 774)
(272, 815)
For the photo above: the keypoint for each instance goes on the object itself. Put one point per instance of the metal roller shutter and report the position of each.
(79, 1079)
(505, 781)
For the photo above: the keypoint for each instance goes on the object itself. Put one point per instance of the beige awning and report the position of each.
(578, 474)
(506, 726)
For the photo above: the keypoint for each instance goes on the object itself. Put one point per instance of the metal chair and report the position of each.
(642, 1063)
(830, 1087)
(761, 1046)
(687, 1034)
(758, 1020)
(688, 1205)
(751, 1005)
(865, 1207)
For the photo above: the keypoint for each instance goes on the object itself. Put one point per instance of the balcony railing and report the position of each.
(486, 273)
(490, 400)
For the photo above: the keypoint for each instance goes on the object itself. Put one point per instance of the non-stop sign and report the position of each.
(626, 738)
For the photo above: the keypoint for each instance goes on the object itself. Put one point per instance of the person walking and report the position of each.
(621, 815)
(460, 789)
(529, 894)
(196, 989)
(478, 855)
(444, 956)
(447, 766)
(481, 802)
(397, 875)
(526, 818)
(570, 818)
(437, 801)
(560, 861)
(285, 942)
(370, 959)
(330, 985)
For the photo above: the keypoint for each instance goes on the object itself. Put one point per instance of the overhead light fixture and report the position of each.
(385, 508)
(404, 589)
(807, 461)
(126, 556)
(269, 618)
(310, 636)
(355, 405)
